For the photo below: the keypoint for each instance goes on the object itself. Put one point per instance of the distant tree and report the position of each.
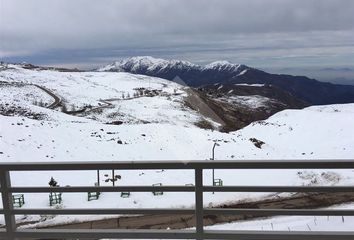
(52, 182)
(64, 109)
(123, 96)
(41, 104)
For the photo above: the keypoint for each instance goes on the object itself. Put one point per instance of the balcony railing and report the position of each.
(11, 232)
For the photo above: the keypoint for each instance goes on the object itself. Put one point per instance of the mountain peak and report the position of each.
(224, 65)
(146, 63)
(218, 63)
(145, 60)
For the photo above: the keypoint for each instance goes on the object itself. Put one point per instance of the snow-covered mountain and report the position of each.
(226, 66)
(140, 64)
(147, 63)
(173, 68)
(223, 72)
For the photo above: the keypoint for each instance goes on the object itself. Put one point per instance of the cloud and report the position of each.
(51, 30)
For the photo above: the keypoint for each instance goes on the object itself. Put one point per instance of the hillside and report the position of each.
(291, 134)
(98, 103)
(126, 98)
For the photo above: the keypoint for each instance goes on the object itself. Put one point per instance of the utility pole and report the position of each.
(213, 158)
(113, 178)
(98, 177)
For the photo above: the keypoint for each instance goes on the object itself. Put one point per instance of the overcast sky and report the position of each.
(260, 33)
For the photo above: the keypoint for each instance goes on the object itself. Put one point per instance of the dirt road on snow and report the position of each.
(57, 100)
(298, 201)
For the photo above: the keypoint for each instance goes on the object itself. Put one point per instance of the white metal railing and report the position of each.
(10, 231)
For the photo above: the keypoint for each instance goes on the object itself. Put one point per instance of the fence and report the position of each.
(10, 232)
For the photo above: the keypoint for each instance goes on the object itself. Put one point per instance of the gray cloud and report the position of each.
(253, 31)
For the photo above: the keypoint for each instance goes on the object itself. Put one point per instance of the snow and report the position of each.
(249, 85)
(243, 72)
(156, 128)
(221, 64)
(78, 90)
(294, 223)
(27, 93)
(251, 101)
(315, 131)
(147, 63)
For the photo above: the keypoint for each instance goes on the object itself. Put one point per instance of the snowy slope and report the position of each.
(157, 128)
(24, 139)
(320, 132)
(252, 101)
(298, 223)
(92, 90)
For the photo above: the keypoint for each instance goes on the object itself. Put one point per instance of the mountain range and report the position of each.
(306, 89)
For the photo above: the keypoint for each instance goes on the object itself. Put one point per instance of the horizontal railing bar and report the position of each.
(183, 189)
(105, 233)
(278, 235)
(102, 189)
(181, 234)
(101, 211)
(282, 212)
(207, 211)
(278, 189)
(263, 164)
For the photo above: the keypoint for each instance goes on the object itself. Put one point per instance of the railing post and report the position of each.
(10, 223)
(199, 203)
